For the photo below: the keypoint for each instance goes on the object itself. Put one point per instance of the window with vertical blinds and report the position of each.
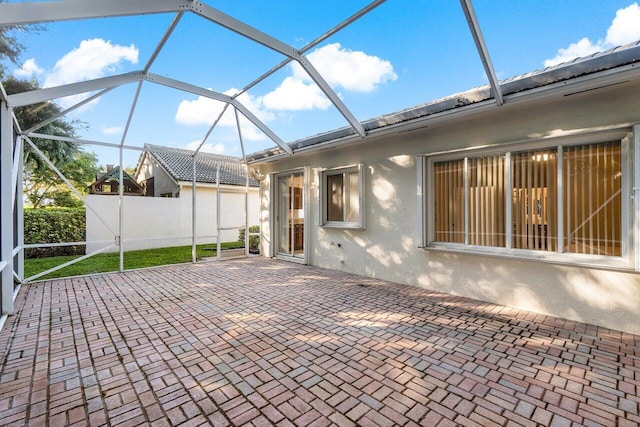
(534, 207)
(448, 178)
(592, 199)
(563, 199)
(486, 201)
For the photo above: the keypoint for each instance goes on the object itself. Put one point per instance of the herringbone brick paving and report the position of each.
(261, 342)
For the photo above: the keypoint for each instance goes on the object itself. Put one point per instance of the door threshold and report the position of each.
(291, 259)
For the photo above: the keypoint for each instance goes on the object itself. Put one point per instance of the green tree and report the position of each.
(10, 47)
(42, 186)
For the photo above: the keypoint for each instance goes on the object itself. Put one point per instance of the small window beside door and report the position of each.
(342, 197)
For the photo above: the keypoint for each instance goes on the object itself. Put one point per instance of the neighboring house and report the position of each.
(529, 204)
(164, 171)
(165, 176)
(107, 183)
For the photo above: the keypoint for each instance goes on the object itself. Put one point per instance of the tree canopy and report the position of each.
(42, 186)
(10, 47)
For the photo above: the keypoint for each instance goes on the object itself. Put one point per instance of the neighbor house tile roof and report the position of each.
(179, 164)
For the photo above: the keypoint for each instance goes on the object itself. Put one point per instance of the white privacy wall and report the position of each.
(388, 247)
(156, 222)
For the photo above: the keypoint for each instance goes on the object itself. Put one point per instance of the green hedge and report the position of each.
(254, 241)
(54, 225)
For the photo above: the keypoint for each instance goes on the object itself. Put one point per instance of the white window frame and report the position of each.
(324, 222)
(630, 163)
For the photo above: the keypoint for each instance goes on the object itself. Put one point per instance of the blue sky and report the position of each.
(399, 55)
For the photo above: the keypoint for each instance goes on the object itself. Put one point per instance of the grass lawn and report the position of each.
(106, 262)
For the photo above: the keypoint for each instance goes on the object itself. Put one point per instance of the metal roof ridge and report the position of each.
(599, 61)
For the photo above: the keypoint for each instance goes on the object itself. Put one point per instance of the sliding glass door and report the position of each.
(290, 215)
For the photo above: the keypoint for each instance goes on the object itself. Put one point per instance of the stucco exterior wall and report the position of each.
(167, 222)
(162, 182)
(388, 247)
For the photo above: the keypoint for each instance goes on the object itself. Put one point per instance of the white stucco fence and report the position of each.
(155, 222)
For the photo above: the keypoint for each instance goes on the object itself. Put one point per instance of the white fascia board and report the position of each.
(243, 29)
(12, 14)
(333, 97)
(47, 94)
(228, 188)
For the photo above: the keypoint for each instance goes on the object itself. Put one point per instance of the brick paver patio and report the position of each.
(262, 342)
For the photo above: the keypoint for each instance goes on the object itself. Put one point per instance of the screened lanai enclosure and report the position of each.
(218, 210)
(198, 111)
(119, 218)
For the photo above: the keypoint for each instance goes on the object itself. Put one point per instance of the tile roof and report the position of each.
(178, 163)
(114, 175)
(597, 62)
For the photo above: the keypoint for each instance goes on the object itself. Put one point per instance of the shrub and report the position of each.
(254, 241)
(54, 225)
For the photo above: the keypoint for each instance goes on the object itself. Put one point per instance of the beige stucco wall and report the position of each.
(167, 220)
(387, 248)
(162, 182)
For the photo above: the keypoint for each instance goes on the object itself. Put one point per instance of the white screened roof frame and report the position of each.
(478, 38)
(69, 10)
(12, 14)
(44, 12)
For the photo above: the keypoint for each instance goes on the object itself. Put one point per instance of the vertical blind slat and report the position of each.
(591, 200)
(594, 179)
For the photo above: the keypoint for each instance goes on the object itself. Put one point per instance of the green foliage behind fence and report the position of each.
(54, 225)
(254, 241)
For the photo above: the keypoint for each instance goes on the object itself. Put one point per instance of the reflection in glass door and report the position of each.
(290, 215)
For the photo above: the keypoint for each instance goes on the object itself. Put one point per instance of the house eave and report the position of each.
(240, 187)
(446, 110)
(405, 123)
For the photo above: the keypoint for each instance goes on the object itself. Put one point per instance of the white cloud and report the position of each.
(204, 111)
(624, 29)
(579, 49)
(28, 69)
(343, 68)
(200, 111)
(295, 94)
(93, 59)
(111, 130)
(207, 147)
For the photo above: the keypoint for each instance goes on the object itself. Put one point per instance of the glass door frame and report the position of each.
(277, 216)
